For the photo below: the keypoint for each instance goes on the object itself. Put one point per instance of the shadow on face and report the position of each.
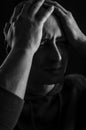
(50, 61)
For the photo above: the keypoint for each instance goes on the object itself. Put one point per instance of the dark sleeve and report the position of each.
(77, 87)
(10, 109)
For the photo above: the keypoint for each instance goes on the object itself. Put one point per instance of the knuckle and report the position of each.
(16, 12)
(69, 13)
(20, 4)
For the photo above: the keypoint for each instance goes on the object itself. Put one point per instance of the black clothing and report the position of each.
(10, 109)
(58, 110)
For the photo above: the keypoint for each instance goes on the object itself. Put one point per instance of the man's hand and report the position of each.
(27, 24)
(71, 29)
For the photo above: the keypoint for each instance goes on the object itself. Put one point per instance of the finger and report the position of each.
(25, 9)
(16, 12)
(61, 12)
(57, 5)
(6, 28)
(36, 7)
(46, 14)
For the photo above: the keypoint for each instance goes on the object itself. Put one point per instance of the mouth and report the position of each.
(53, 70)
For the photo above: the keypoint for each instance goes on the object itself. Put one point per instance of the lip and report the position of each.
(52, 69)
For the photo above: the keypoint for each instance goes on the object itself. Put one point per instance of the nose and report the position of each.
(55, 53)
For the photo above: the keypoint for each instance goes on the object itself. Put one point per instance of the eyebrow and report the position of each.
(58, 39)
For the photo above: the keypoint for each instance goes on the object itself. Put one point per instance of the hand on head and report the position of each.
(28, 19)
(26, 26)
(71, 29)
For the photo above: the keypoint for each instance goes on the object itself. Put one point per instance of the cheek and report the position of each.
(63, 50)
(39, 57)
(64, 54)
(43, 54)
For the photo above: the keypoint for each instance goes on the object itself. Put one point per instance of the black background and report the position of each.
(77, 63)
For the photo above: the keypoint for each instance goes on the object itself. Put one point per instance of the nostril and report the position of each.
(54, 61)
(54, 56)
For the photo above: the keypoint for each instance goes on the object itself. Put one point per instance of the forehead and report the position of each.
(52, 27)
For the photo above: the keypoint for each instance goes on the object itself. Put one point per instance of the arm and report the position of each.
(10, 109)
(25, 37)
(15, 70)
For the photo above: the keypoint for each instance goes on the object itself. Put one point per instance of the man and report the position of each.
(35, 70)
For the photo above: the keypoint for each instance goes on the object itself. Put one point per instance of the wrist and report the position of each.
(23, 48)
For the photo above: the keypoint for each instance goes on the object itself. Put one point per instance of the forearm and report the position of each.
(15, 70)
(10, 106)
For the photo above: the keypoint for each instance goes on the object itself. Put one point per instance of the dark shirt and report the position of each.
(62, 109)
(10, 109)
